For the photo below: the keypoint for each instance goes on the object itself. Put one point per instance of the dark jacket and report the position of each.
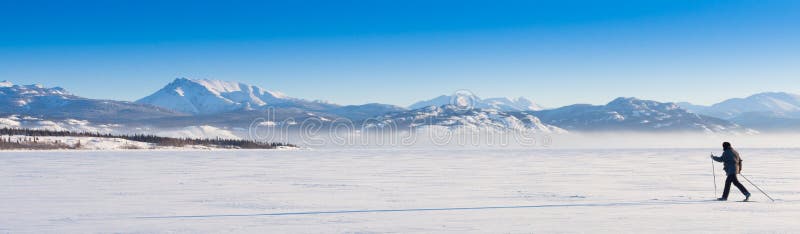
(733, 163)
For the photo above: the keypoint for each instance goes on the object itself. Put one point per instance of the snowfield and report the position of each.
(493, 190)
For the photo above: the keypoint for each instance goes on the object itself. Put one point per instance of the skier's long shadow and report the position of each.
(614, 204)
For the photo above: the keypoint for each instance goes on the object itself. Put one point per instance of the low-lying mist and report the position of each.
(673, 140)
(573, 140)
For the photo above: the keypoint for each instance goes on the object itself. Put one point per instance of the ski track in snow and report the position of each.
(392, 190)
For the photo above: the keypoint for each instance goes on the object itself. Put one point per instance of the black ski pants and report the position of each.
(735, 181)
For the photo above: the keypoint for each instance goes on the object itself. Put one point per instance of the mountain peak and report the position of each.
(207, 96)
(33, 89)
(472, 100)
(222, 86)
(626, 102)
(621, 100)
(782, 96)
(455, 117)
(781, 103)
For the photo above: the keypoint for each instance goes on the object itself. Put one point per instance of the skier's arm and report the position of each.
(715, 158)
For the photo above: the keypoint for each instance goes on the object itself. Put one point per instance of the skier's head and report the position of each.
(726, 145)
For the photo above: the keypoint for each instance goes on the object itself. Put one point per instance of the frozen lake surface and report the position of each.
(392, 190)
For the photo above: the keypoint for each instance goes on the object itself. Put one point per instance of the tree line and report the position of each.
(32, 141)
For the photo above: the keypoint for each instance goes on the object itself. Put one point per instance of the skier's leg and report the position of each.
(727, 186)
(740, 186)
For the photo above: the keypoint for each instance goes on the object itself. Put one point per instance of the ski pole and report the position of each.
(759, 189)
(714, 173)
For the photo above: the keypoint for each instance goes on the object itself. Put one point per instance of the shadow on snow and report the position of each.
(613, 204)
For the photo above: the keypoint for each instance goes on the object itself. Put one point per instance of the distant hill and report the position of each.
(769, 111)
(632, 114)
(57, 103)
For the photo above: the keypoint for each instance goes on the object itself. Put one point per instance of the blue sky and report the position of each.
(398, 52)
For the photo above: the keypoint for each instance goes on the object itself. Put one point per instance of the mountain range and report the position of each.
(453, 116)
(632, 114)
(57, 103)
(233, 105)
(203, 97)
(768, 111)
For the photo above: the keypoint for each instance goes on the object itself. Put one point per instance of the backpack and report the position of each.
(738, 160)
(740, 167)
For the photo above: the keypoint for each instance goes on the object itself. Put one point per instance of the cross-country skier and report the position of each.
(733, 165)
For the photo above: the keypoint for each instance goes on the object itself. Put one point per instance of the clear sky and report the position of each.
(398, 52)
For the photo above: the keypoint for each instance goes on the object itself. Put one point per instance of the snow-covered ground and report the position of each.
(87, 143)
(103, 143)
(392, 190)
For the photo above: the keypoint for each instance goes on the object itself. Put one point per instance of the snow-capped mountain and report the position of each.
(633, 114)
(770, 111)
(57, 103)
(691, 107)
(473, 101)
(202, 96)
(452, 116)
(510, 104)
(6, 84)
(215, 97)
(776, 103)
